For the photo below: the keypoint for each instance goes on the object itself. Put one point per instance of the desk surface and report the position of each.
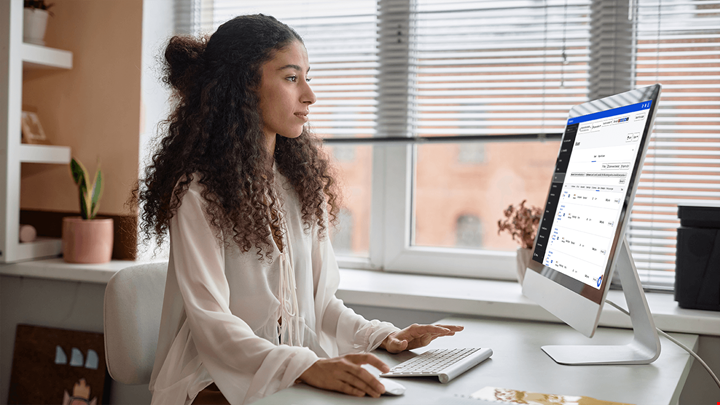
(518, 363)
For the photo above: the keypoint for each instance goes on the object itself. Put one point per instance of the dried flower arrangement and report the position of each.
(521, 222)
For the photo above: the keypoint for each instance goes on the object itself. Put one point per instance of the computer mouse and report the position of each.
(391, 387)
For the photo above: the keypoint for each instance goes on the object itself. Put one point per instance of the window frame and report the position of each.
(392, 201)
(391, 227)
(401, 256)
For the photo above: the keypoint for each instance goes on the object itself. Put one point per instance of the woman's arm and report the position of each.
(352, 332)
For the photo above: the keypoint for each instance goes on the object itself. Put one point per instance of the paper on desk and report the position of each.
(509, 396)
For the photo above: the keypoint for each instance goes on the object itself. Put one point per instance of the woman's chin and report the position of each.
(292, 135)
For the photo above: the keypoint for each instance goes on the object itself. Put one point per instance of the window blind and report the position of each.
(678, 45)
(498, 67)
(342, 42)
(449, 68)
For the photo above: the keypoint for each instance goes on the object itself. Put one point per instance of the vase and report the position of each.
(523, 258)
(87, 240)
(34, 24)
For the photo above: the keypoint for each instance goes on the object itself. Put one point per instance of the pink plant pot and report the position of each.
(87, 241)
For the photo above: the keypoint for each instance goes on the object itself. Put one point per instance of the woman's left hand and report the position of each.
(415, 336)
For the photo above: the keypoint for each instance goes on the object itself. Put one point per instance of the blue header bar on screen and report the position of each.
(645, 105)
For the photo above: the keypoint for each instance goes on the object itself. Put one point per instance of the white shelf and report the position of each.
(57, 269)
(44, 154)
(36, 57)
(41, 247)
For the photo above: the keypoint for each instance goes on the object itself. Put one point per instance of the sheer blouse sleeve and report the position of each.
(352, 332)
(244, 366)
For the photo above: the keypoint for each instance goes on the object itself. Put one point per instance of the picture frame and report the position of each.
(32, 131)
(58, 366)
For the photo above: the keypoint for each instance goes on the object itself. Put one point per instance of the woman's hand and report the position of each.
(344, 374)
(415, 336)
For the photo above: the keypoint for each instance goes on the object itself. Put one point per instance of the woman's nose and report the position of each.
(308, 95)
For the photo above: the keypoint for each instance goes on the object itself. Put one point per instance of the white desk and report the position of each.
(519, 363)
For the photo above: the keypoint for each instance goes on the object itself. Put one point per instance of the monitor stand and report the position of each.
(645, 346)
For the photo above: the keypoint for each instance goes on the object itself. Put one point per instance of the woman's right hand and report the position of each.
(345, 374)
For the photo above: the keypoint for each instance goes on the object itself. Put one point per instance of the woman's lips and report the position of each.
(302, 116)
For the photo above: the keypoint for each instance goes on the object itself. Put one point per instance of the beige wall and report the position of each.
(93, 108)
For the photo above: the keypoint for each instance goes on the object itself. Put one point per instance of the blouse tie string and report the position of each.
(288, 303)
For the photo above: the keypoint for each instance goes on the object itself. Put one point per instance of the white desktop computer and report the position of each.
(581, 237)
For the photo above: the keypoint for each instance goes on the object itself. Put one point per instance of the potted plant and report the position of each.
(522, 223)
(87, 239)
(35, 16)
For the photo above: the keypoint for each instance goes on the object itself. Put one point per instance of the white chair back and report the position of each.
(133, 306)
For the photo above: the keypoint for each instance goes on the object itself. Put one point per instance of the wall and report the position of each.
(93, 108)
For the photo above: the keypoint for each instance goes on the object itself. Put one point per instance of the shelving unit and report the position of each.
(44, 154)
(44, 58)
(15, 58)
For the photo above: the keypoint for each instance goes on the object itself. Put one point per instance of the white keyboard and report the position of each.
(446, 364)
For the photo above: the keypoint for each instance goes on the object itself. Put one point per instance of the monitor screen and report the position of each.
(595, 163)
(590, 197)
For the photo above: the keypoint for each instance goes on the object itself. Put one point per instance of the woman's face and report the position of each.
(285, 94)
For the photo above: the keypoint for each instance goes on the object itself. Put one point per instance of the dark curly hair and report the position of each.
(215, 135)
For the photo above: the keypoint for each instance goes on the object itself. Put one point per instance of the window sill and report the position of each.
(453, 295)
(501, 299)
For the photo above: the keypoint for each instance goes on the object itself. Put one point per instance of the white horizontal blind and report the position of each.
(341, 39)
(678, 45)
(498, 67)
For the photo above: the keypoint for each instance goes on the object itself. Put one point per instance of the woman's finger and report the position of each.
(348, 389)
(419, 330)
(364, 381)
(454, 328)
(368, 358)
(395, 345)
(423, 340)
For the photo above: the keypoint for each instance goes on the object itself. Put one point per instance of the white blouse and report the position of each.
(221, 309)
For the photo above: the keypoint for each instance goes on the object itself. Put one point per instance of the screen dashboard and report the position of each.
(589, 187)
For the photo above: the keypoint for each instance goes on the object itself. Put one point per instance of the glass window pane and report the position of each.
(354, 166)
(461, 190)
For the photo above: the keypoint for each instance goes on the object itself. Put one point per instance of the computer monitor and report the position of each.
(581, 236)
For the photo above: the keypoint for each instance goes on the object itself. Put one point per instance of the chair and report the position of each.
(133, 306)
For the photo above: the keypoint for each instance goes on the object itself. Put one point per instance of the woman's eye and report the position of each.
(307, 79)
(292, 79)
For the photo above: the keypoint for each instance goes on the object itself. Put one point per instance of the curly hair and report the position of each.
(215, 136)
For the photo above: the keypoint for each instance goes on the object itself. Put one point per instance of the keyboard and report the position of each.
(446, 364)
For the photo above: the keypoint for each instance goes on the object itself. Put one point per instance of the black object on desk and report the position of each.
(697, 263)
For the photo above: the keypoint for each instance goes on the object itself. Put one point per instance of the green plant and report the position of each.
(521, 222)
(90, 193)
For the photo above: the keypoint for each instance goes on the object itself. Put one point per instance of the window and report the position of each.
(342, 236)
(468, 231)
(442, 113)
(677, 44)
(471, 153)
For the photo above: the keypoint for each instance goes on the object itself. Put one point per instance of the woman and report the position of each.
(246, 196)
